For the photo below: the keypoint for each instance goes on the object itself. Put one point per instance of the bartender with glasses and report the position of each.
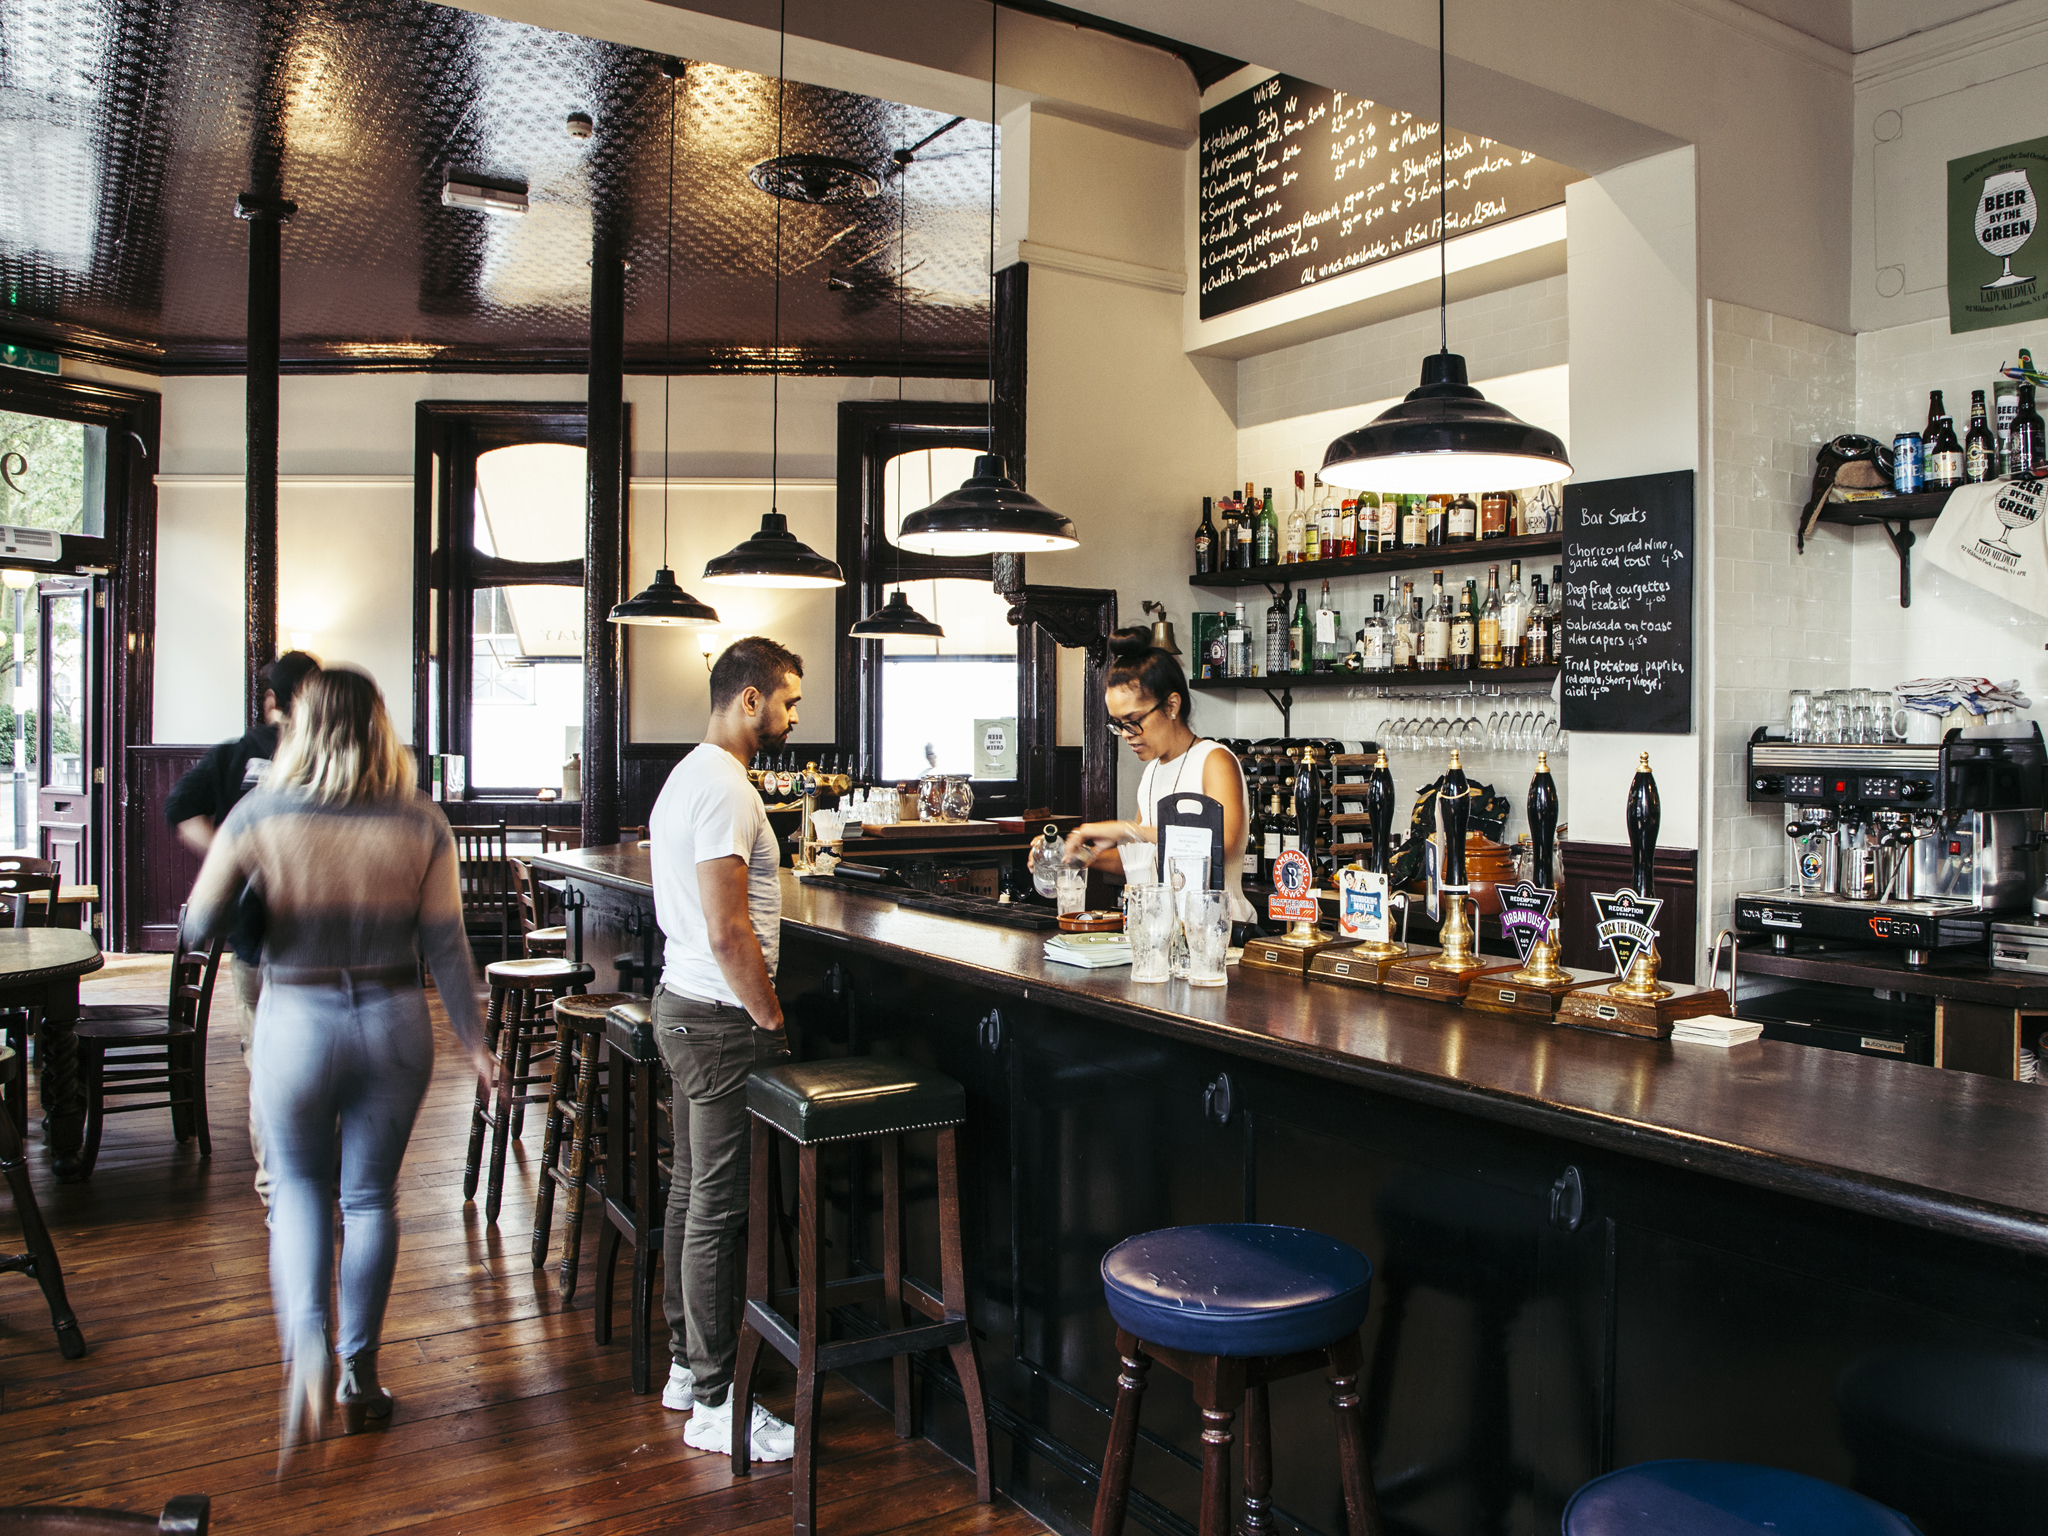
(1150, 708)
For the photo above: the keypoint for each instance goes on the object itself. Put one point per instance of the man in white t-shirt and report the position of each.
(716, 1017)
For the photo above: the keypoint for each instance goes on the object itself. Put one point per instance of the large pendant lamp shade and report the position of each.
(896, 617)
(773, 557)
(663, 602)
(988, 514)
(1445, 436)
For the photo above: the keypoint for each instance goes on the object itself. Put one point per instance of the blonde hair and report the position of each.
(339, 743)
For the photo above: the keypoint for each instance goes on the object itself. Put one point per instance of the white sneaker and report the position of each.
(710, 1429)
(679, 1392)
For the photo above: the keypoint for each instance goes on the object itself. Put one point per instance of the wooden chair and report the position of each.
(558, 839)
(40, 1262)
(185, 1515)
(484, 867)
(536, 942)
(159, 1058)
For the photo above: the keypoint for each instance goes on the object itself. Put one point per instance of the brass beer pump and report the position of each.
(1454, 800)
(1645, 816)
(1542, 969)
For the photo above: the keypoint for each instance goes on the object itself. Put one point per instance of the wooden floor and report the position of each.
(509, 1418)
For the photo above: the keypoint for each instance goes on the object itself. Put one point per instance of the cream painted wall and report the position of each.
(345, 519)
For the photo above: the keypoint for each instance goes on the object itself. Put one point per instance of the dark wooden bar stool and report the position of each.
(521, 1031)
(537, 940)
(40, 1262)
(1233, 1308)
(572, 1116)
(1723, 1498)
(852, 1099)
(635, 1174)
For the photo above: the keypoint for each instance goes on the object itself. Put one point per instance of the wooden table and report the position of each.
(39, 969)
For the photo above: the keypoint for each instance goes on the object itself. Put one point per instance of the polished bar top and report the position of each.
(1950, 1152)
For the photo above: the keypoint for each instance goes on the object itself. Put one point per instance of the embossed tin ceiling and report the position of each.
(127, 127)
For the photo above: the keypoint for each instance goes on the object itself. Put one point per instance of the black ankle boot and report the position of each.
(359, 1395)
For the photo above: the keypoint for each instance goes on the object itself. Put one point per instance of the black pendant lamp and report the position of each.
(1445, 435)
(775, 557)
(662, 602)
(897, 617)
(989, 514)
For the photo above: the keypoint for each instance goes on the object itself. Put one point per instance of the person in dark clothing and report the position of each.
(200, 801)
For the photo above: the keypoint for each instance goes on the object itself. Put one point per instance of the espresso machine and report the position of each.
(1903, 845)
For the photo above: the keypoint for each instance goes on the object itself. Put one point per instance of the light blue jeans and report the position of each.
(341, 1068)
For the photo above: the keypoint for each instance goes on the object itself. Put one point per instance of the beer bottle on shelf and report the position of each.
(1980, 448)
(1205, 543)
(1266, 531)
(2027, 443)
(1944, 457)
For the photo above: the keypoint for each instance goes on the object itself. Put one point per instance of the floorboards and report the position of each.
(510, 1419)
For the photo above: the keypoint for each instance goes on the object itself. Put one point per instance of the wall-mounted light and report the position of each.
(710, 642)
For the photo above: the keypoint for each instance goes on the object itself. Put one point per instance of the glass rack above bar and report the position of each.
(1441, 682)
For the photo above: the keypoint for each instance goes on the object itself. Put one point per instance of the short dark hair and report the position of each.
(755, 662)
(284, 675)
(1135, 661)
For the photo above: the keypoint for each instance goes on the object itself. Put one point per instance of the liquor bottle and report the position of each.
(1216, 654)
(1266, 531)
(1514, 618)
(1298, 537)
(1496, 511)
(1276, 634)
(1400, 638)
(1365, 523)
(1557, 624)
(1536, 635)
(1436, 628)
(1489, 621)
(1980, 448)
(1935, 411)
(1417, 623)
(1205, 542)
(1414, 522)
(1944, 457)
(2027, 445)
(1464, 636)
(1461, 520)
(1227, 533)
(1270, 833)
(1329, 625)
(1240, 645)
(1326, 525)
(1299, 633)
(1254, 842)
(1348, 519)
(1435, 507)
(1372, 640)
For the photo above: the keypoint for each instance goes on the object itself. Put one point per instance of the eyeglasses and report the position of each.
(1130, 728)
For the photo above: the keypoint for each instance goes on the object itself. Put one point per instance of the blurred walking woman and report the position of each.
(356, 869)
(1151, 710)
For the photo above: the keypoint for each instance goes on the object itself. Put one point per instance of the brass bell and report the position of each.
(1162, 628)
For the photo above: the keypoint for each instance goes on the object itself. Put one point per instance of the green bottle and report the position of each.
(1266, 533)
(1298, 633)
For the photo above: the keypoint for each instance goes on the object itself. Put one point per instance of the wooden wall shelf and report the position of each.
(1484, 551)
(1896, 516)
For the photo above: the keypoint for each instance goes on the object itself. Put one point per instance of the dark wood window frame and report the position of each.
(449, 436)
(121, 662)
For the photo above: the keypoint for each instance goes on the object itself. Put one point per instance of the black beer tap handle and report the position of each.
(1645, 813)
(1543, 823)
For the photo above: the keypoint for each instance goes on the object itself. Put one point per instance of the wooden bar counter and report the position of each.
(1590, 1250)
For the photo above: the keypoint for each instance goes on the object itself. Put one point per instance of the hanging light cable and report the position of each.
(773, 556)
(662, 601)
(897, 617)
(989, 514)
(1445, 434)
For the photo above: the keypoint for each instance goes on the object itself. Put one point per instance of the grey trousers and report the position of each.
(708, 1048)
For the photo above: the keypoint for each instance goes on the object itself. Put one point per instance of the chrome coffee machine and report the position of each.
(1903, 845)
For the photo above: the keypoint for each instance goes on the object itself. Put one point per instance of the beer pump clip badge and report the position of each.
(1626, 924)
(1294, 898)
(1363, 906)
(1525, 915)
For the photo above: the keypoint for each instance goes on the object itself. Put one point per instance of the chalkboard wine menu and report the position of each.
(1628, 613)
(1301, 183)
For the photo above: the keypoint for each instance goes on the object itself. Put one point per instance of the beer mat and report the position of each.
(1716, 1029)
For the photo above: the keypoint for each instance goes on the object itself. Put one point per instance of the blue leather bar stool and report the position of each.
(852, 1099)
(1723, 1498)
(1233, 1308)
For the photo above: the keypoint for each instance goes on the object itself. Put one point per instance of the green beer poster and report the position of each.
(1997, 269)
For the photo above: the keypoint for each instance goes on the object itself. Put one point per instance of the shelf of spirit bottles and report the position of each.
(1447, 682)
(1430, 557)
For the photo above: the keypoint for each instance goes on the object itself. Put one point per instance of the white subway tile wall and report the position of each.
(1775, 619)
(1953, 626)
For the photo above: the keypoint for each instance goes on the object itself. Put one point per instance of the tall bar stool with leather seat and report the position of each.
(572, 1116)
(1234, 1307)
(638, 1136)
(1723, 1498)
(857, 1098)
(521, 1033)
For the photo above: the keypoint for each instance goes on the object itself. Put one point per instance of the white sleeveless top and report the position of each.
(1184, 773)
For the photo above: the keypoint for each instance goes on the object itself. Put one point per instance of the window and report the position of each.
(53, 474)
(934, 691)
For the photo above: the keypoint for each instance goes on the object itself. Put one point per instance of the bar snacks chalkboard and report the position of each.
(1628, 624)
(1300, 183)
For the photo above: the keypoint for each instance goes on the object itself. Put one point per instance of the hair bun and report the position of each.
(1131, 643)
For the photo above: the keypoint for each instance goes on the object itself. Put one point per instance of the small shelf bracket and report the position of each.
(1284, 702)
(1901, 534)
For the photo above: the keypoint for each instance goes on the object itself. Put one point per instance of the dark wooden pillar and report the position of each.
(605, 457)
(266, 216)
(1008, 369)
